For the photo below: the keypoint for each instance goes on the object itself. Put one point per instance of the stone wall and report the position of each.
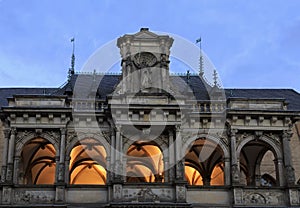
(1, 142)
(295, 147)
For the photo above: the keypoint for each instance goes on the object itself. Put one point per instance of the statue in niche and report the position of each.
(146, 79)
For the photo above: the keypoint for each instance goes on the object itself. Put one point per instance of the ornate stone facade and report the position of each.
(149, 139)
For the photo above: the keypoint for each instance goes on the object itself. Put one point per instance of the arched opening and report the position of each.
(88, 163)
(268, 169)
(204, 163)
(38, 162)
(144, 163)
(193, 176)
(257, 164)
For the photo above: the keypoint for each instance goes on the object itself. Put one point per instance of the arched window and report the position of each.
(257, 159)
(38, 161)
(144, 163)
(88, 163)
(204, 163)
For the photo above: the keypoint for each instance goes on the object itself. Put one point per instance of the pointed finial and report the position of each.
(215, 77)
(188, 74)
(94, 75)
(72, 69)
(201, 69)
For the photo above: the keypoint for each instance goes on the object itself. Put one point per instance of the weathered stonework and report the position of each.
(193, 149)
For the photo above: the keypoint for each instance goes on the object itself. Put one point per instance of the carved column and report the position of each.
(67, 164)
(112, 154)
(171, 156)
(4, 155)
(108, 169)
(57, 169)
(61, 168)
(178, 155)
(166, 169)
(16, 170)
(11, 149)
(234, 163)
(118, 164)
(227, 171)
(61, 176)
(289, 170)
(279, 171)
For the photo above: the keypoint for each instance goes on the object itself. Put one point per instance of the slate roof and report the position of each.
(83, 83)
(291, 96)
(9, 92)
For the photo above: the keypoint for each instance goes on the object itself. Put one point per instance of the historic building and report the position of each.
(146, 138)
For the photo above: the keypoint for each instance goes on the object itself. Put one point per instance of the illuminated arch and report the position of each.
(209, 169)
(30, 135)
(82, 135)
(38, 161)
(144, 162)
(88, 162)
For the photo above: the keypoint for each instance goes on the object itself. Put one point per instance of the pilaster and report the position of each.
(289, 170)
(10, 159)
(234, 163)
(4, 155)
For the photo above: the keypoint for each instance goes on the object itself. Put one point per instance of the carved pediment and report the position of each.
(145, 34)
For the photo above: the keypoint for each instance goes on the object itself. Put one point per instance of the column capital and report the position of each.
(233, 132)
(171, 133)
(13, 130)
(63, 131)
(287, 134)
(6, 132)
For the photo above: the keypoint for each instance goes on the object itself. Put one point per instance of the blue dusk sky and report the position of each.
(252, 44)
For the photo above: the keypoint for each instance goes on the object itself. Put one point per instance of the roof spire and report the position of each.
(201, 70)
(215, 76)
(72, 70)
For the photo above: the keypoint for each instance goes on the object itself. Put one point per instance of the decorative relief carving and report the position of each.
(274, 137)
(71, 134)
(255, 198)
(180, 193)
(241, 137)
(30, 197)
(146, 194)
(263, 198)
(180, 170)
(6, 195)
(23, 134)
(55, 135)
(117, 191)
(223, 137)
(118, 170)
(294, 197)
